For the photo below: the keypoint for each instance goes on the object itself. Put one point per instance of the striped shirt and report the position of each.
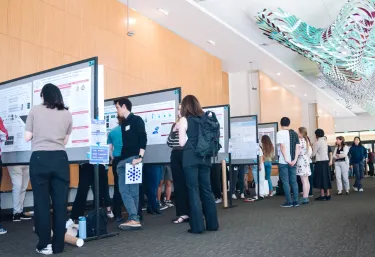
(3, 134)
(173, 139)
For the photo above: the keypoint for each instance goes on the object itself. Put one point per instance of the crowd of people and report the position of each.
(303, 165)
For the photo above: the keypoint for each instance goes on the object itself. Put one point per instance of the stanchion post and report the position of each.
(96, 181)
(258, 164)
(224, 179)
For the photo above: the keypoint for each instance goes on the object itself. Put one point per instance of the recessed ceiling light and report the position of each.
(163, 11)
(305, 94)
(292, 86)
(132, 21)
(278, 74)
(211, 42)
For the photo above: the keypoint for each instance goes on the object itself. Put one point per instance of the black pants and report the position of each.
(50, 177)
(371, 169)
(216, 180)
(201, 199)
(117, 201)
(86, 179)
(179, 184)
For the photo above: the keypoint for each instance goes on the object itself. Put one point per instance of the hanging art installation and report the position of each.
(345, 51)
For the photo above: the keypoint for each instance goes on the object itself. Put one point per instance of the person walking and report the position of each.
(196, 169)
(322, 176)
(20, 177)
(49, 167)
(268, 155)
(357, 154)
(289, 148)
(341, 165)
(134, 141)
(3, 138)
(303, 163)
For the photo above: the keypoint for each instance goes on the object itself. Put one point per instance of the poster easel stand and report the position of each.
(96, 169)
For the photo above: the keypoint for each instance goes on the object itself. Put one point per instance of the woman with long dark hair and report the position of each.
(196, 169)
(322, 176)
(48, 126)
(179, 182)
(268, 155)
(341, 165)
(303, 163)
(357, 155)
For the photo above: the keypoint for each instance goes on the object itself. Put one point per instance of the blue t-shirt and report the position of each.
(115, 139)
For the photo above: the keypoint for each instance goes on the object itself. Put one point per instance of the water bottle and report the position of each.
(82, 227)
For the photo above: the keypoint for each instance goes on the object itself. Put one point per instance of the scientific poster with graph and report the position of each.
(158, 118)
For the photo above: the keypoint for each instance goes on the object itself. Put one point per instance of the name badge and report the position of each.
(127, 128)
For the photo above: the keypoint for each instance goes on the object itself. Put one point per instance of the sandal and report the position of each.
(180, 220)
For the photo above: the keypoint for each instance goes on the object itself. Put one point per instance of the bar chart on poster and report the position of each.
(159, 112)
(76, 82)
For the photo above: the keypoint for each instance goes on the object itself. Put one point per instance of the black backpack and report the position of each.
(208, 144)
(91, 223)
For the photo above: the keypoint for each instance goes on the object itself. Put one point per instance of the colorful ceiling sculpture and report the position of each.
(345, 51)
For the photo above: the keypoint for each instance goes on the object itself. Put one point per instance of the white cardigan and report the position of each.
(343, 154)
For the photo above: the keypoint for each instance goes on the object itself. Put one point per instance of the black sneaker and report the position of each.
(17, 217)
(295, 204)
(328, 198)
(24, 217)
(321, 198)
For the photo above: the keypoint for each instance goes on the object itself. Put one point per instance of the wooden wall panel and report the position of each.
(36, 35)
(277, 102)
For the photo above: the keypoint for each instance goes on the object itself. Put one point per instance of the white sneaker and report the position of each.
(355, 189)
(169, 203)
(69, 223)
(110, 214)
(242, 196)
(361, 190)
(234, 197)
(219, 200)
(46, 251)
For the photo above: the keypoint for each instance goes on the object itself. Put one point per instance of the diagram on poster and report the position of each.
(75, 87)
(158, 118)
(267, 131)
(244, 140)
(110, 117)
(219, 111)
(14, 108)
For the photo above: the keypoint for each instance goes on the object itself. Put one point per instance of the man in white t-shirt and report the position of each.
(288, 147)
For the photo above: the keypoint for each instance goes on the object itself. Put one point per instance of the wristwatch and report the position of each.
(140, 157)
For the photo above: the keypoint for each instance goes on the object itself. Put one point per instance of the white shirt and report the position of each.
(282, 137)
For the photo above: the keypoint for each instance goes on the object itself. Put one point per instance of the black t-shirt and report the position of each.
(329, 152)
(134, 136)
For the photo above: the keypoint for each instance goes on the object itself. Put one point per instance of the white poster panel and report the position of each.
(76, 89)
(14, 108)
(244, 140)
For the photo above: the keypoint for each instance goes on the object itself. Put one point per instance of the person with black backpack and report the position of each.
(199, 135)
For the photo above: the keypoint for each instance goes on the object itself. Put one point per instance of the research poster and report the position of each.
(219, 111)
(158, 118)
(14, 108)
(270, 131)
(244, 140)
(75, 88)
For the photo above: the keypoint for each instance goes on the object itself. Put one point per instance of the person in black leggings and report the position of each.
(196, 169)
(179, 182)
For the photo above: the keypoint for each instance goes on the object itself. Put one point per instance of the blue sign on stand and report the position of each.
(99, 154)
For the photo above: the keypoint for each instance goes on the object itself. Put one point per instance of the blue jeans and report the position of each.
(153, 180)
(268, 169)
(201, 198)
(358, 172)
(288, 176)
(129, 193)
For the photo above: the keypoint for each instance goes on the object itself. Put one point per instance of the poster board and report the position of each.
(159, 111)
(244, 139)
(78, 83)
(223, 115)
(269, 129)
